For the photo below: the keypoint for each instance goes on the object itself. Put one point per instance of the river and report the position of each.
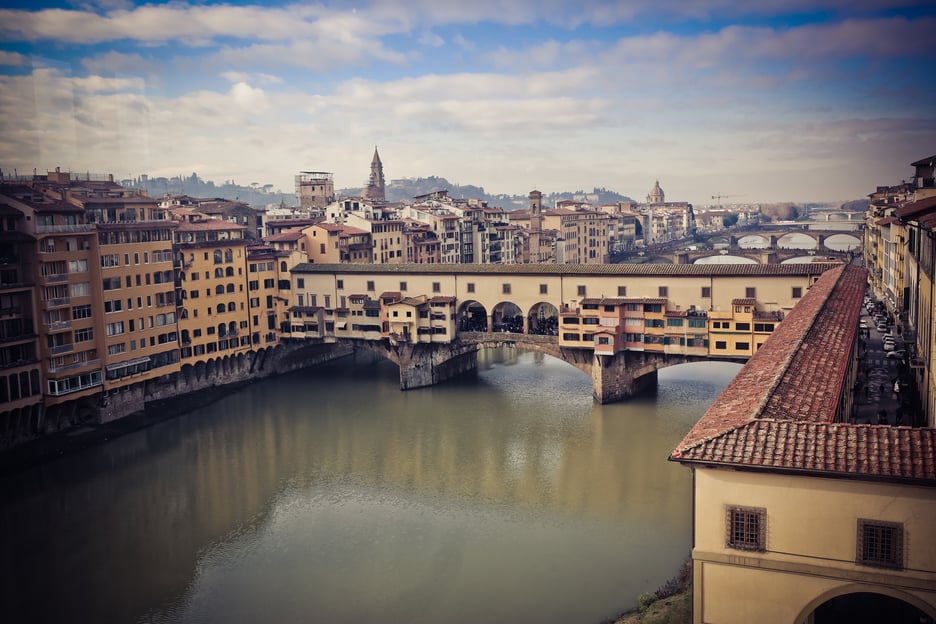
(331, 496)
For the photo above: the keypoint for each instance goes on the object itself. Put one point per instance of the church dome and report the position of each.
(656, 194)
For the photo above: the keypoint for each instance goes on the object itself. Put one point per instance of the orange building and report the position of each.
(213, 302)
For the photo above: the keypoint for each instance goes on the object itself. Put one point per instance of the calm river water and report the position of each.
(331, 496)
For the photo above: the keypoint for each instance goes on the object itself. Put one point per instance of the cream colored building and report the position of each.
(798, 515)
(749, 300)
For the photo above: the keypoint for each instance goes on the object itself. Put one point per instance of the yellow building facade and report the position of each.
(213, 286)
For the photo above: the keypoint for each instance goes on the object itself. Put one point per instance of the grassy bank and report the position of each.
(670, 604)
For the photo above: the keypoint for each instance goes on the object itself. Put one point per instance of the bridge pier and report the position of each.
(616, 377)
(423, 364)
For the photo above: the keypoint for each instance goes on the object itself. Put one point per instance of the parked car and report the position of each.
(896, 354)
(889, 346)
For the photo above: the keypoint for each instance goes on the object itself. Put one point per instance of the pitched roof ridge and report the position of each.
(809, 307)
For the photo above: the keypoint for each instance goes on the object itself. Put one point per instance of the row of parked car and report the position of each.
(888, 338)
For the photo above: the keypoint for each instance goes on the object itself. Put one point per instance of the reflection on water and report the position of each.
(331, 496)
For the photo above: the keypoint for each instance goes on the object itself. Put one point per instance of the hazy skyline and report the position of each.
(818, 100)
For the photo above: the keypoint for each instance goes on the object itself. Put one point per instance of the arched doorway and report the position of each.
(867, 608)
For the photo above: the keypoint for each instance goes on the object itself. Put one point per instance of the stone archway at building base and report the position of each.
(858, 603)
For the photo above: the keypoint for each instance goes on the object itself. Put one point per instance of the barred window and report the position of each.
(880, 544)
(747, 528)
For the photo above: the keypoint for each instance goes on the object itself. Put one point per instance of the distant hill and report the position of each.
(256, 195)
(856, 205)
(259, 196)
(408, 188)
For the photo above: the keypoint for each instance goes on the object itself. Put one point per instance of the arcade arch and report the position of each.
(543, 319)
(507, 317)
(472, 316)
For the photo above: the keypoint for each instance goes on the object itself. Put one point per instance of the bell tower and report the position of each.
(376, 189)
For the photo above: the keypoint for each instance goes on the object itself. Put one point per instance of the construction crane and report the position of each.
(720, 197)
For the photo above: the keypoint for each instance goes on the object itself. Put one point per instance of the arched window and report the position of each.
(183, 314)
(230, 288)
(229, 272)
(232, 307)
(219, 272)
(219, 289)
(283, 268)
(232, 327)
(185, 336)
(222, 330)
(220, 309)
(217, 256)
(229, 256)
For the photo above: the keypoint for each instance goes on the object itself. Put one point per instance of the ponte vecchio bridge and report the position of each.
(617, 323)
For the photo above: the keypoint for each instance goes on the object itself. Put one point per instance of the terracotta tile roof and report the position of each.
(284, 236)
(779, 411)
(748, 301)
(208, 225)
(866, 451)
(442, 299)
(661, 270)
(913, 209)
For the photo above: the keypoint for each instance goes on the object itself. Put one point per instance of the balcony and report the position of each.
(66, 348)
(59, 325)
(57, 303)
(52, 279)
(64, 229)
(75, 366)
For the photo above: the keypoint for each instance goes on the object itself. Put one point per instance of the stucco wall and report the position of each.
(811, 543)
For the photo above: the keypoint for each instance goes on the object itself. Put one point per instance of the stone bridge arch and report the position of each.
(614, 377)
(765, 241)
(783, 241)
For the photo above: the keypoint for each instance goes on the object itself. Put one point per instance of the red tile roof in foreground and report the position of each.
(779, 412)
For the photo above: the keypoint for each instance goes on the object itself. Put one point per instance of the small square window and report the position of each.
(403, 286)
(581, 290)
(544, 289)
(436, 287)
(664, 291)
(370, 285)
(506, 289)
(470, 287)
(747, 528)
(706, 292)
(622, 291)
(339, 284)
(797, 292)
(750, 292)
(880, 544)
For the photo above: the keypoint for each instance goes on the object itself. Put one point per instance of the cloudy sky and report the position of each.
(772, 100)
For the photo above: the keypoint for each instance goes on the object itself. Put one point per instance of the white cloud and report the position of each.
(12, 59)
(261, 78)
